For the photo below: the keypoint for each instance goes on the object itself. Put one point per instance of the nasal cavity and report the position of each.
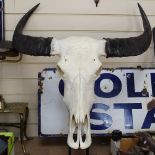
(75, 129)
(84, 128)
(83, 137)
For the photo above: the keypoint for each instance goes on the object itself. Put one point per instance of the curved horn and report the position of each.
(133, 46)
(36, 46)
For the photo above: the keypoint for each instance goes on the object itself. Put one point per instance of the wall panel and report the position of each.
(78, 22)
(61, 19)
(126, 7)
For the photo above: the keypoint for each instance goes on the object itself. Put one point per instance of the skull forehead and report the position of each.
(80, 45)
(79, 54)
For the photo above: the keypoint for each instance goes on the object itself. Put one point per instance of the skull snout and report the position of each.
(79, 133)
(79, 125)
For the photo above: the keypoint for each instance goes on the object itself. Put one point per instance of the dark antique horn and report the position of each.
(133, 46)
(36, 46)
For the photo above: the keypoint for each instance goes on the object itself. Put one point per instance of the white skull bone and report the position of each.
(79, 66)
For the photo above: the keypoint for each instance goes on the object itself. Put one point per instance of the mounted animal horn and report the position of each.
(36, 46)
(133, 46)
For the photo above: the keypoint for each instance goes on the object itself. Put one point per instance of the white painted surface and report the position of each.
(127, 7)
(79, 22)
(18, 82)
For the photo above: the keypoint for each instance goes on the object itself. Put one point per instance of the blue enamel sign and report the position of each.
(122, 102)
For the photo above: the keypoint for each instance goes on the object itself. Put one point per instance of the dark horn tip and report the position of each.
(139, 6)
(141, 9)
(36, 6)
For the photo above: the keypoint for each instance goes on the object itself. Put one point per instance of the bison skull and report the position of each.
(79, 65)
(79, 71)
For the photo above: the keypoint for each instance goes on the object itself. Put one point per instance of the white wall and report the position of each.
(62, 18)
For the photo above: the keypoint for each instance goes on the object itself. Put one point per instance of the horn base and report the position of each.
(35, 46)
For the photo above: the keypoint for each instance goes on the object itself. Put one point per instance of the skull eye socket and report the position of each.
(99, 70)
(60, 71)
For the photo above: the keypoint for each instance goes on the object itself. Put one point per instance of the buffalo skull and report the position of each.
(79, 66)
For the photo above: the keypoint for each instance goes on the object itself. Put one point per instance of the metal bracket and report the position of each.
(7, 53)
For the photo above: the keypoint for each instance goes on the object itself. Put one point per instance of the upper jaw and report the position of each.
(80, 130)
